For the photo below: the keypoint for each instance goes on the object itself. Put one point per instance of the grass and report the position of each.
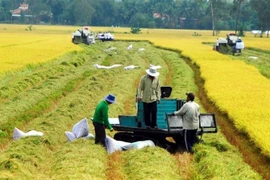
(44, 93)
(257, 58)
(84, 87)
(210, 155)
(142, 164)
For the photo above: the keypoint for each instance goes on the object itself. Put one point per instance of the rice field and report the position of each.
(234, 87)
(19, 47)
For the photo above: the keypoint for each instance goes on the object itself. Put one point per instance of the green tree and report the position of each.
(8, 5)
(237, 8)
(39, 10)
(56, 8)
(262, 7)
(79, 12)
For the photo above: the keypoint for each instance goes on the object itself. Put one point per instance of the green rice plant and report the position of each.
(215, 151)
(91, 164)
(150, 163)
(257, 58)
(52, 157)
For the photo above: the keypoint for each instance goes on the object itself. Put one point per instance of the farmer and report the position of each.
(190, 112)
(239, 44)
(217, 45)
(101, 120)
(149, 93)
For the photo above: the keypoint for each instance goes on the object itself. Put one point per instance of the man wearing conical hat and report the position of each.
(149, 93)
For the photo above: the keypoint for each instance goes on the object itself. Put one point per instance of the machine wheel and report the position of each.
(129, 137)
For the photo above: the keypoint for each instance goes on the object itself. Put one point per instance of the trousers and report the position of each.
(100, 133)
(150, 113)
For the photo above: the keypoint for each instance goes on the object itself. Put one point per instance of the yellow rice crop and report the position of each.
(18, 49)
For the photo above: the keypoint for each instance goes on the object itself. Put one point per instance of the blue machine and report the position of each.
(132, 128)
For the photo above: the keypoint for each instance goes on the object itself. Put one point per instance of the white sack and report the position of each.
(18, 134)
(253, 57)
(89, 136)
(70, 136)
(114, 145)
(107, 67)
(141, 49)
(129, 47)
(138, 145)
(34, 133)
(130, 67)
(81, 128)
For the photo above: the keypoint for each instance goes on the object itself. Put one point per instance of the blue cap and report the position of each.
(110, 98)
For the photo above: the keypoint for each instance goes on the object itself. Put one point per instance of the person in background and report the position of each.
(149, 93)
(190, 112)
(101, 119)
(239, 44)
(217, 45)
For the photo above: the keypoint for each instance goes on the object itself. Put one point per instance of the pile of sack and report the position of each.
(81, 130)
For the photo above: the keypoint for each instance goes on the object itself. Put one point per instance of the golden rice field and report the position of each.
(19, 47)
(234, 87)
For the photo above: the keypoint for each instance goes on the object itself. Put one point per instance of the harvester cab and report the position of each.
(83, 35)
(132, 128)
(232, 39)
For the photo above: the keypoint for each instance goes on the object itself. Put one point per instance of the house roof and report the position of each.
(22, 7)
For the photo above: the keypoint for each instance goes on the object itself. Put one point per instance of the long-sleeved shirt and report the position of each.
(101, 114)
(149, 90)
(190, 112)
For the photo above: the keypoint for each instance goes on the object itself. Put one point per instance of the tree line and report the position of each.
(178, 14)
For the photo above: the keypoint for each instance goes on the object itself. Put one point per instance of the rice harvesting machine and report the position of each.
(132, 128)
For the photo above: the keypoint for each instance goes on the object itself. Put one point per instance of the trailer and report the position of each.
(132, 128)
(105, 36)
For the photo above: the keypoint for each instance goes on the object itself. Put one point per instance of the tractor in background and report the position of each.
(83, 35)
(105, 36)
(232, 44)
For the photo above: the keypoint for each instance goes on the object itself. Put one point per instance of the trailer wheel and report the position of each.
(129, 137)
